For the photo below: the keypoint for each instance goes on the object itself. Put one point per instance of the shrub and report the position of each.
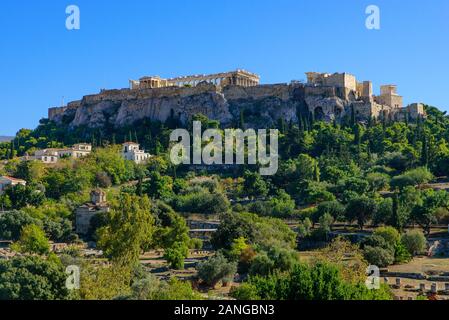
(11, 224)
(176, 254)
(151, 288)
(321, 281)
(374, 241)
(262, 265)
(378, 256)
(401, 254)
(196, 244)
(245, 292)
(414, 241)
(32, 240)
(334, 208)
(390, 234)
(216, 269)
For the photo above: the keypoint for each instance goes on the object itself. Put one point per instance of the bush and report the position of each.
(390, 234)
(375, 241)
(151, 288)
(245, 292)
(11, 224)
(262, 265)
(413, 177)
(378, 181)
(176, 254)
(216, 269)
(201, 201)
(196, 244)
(414, 241)
(334, 208)
(32, 240)
(304, 228)
(401, 254)
(378, 256)
(321, 281)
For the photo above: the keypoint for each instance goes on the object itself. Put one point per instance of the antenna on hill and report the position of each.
(62, 105)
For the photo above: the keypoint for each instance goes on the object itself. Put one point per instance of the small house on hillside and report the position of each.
(6, 182)
(131, 151)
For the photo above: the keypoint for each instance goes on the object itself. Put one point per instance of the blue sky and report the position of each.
(41, 61)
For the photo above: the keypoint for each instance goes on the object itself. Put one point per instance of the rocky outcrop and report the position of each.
(260, 106)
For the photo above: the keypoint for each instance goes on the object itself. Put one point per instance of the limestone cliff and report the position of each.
(262, 106)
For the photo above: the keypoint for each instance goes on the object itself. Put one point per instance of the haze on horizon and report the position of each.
(41, 61)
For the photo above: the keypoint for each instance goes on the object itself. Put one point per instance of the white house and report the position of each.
(6, 182)
(77, 151)
(131, 151)
(53, 155)
(47, 155)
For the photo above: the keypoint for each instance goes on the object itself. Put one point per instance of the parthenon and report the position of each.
(239, 78)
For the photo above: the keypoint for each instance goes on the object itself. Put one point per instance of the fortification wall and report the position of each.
(262, 105)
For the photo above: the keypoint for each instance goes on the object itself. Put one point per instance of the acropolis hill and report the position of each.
(225, 96)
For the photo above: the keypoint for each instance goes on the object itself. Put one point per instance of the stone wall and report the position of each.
(261, 106)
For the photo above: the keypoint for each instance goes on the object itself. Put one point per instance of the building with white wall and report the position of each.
(6, 182)
(131, 151)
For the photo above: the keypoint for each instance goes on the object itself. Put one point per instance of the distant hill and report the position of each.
(5, 138)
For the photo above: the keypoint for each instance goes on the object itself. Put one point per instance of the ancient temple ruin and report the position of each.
(226, 96)
(239, 77)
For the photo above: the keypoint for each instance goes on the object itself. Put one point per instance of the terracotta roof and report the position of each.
(13, 179)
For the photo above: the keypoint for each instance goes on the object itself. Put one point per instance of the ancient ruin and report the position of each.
(226, 96)
(238, 77)
(389, 104)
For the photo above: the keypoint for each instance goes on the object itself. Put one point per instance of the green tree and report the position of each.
(12, 223)
(33, 240)
(32, 278)
(254, 185)
(390, 235)
(175, 255)
(129, 230)
(424, 213)
(360, 209)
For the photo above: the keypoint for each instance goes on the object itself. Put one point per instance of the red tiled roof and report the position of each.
(13, 179)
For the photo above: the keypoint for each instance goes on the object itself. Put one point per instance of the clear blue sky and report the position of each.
(41, 61)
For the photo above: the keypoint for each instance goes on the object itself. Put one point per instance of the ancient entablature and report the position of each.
(239, 78)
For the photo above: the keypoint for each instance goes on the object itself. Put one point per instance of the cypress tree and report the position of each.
(425, 152)
(395, 212)
(353, 120)
(242, 120)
